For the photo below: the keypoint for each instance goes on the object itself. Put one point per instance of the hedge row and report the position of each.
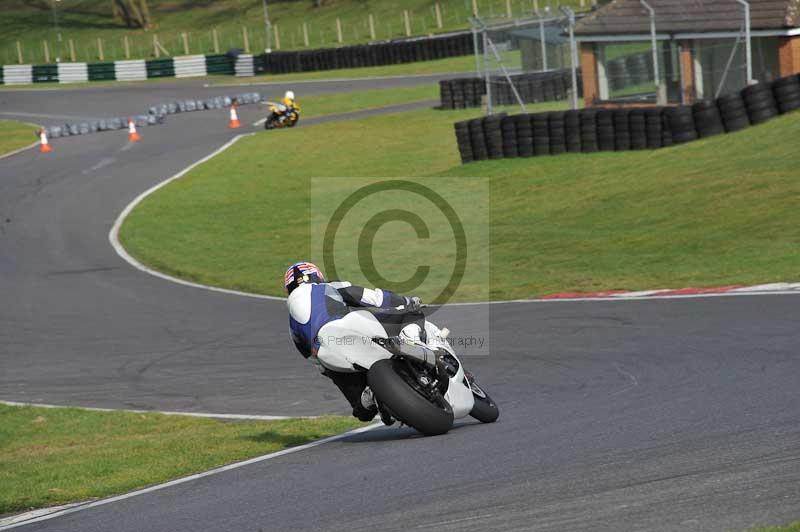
(592, 130)
(461, 93)
(366, 55)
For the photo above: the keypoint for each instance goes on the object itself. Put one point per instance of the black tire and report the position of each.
(406, 404)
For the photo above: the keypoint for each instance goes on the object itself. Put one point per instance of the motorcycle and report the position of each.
(420, 383)
(280, 116)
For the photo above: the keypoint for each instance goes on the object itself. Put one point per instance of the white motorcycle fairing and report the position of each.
(346, 345)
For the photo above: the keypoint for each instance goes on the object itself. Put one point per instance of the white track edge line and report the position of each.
(254, 417)
(113, 235)
(190, 478)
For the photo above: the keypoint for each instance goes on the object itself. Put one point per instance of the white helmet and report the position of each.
(289, 94)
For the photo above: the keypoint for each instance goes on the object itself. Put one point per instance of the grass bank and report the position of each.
(56, 456)
(83, 22)
(794, 527)
(715, 212)
(15, 135)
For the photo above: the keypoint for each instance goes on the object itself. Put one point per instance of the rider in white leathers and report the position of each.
(315, 303)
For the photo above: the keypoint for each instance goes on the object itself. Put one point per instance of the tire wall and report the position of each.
(365, 55)
(596, 129)
(462, 93)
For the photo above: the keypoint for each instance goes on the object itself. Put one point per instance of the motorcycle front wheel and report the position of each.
(396, 391)
(485, 410)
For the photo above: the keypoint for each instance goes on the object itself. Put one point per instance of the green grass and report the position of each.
(393, 145)
(84, 21)
(15, 135)
(794, 527)
(355, 101)
(55, 456)
(714, 212)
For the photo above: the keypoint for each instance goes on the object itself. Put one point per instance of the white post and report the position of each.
(654, 45)
(407, 22)
(305, 34)
(437, 8)
(371, 27)
(748, 52)
(338, 30)
(573, 55)
(543, 43)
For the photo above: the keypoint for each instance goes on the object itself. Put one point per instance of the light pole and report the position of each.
(58, 33)
(570, 14)
(749, 58)
(654, 44)
(267, 27)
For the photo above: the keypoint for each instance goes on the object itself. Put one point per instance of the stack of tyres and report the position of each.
(617, 73)
(477, 140)
(493, 135)
(787, 93)
(681, 123)
(666, 132)
(558, 133)
(524, 135)
(446, 94)
(637, 125)
(733, 112)
(509, 128)
(622, 131)
(760, 102)
(636, 66)
(605, 130)
(572, 131)
(707, 119)
(541, 134)
(654, 127)
(463, 140)
(589, 143)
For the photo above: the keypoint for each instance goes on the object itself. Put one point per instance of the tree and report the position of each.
(134, 13)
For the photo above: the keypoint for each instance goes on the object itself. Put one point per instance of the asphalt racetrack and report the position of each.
(662, 414)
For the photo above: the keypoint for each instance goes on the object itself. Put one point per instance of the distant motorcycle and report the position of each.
(280, 116)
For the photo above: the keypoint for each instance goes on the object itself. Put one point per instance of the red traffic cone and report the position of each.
(234, 121)
(133, 136)
(44, 146)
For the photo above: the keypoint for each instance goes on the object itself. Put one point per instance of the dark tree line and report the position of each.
(134, 13)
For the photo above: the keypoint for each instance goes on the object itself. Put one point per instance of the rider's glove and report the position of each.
(413, 304)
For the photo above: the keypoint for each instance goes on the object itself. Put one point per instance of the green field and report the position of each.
(794, 527)
(714, 212)
(55, 456)
(85, 21)
(15, 135)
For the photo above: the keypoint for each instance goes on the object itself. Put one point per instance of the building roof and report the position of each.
(622, 17)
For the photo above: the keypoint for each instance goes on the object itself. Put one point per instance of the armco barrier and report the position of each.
(461, 93)
(17, 74)
(219, 64)
(133, 70)
(189, 66)
(160, 68)
(591, 130)
(245, 66)
(102, 72)
(377, 54)
(44, 73)
(73, 72)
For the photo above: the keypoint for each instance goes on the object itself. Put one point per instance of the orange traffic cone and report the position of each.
(44, 146)
(234, 121)
(133, 136)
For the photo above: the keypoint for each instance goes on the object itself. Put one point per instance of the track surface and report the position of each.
(644, 415)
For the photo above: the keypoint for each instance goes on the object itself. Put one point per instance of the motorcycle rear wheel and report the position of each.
(431, 417)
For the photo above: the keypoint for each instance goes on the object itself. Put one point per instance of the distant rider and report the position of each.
(288, 105)
(314, 303)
